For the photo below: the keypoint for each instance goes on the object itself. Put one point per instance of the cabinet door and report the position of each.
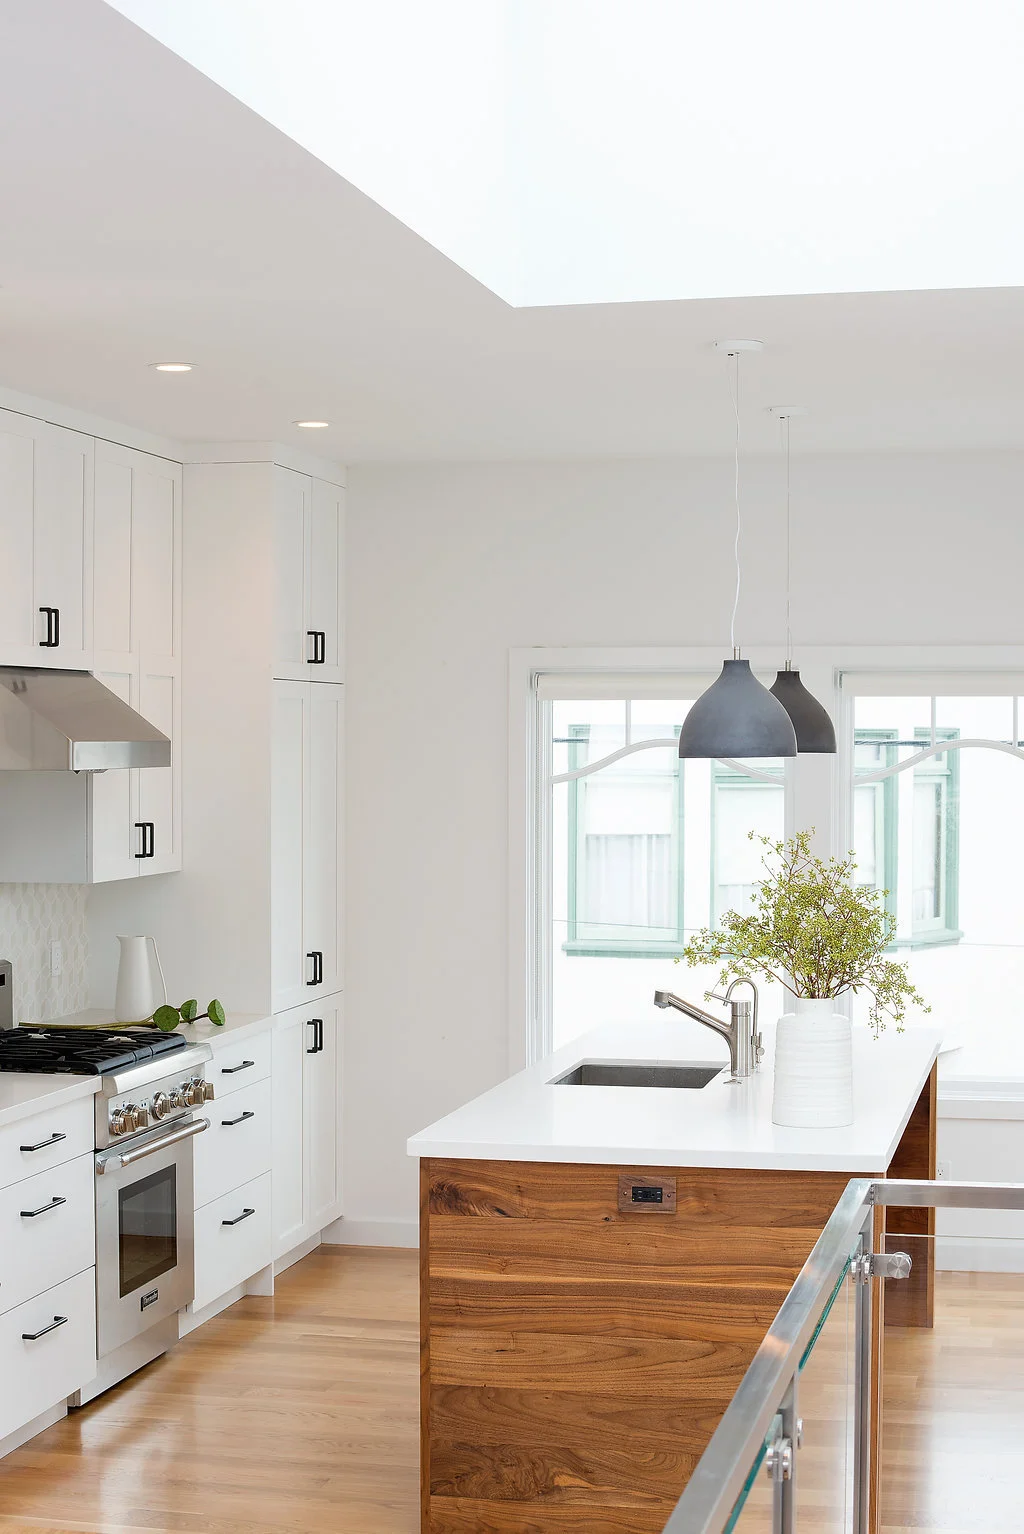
(112, 559)
(18, 625)
(289, 730)
(321, 1101)
(322, 868)
(62, 545)
(114, 839)
(159, 788)
(156, 557)
(326, 545)
(291, 1039)
(293, 648)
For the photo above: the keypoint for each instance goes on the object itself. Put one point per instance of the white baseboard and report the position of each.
(296, 1254)
(30, 1429)
(966, 1254)
(348, 1232)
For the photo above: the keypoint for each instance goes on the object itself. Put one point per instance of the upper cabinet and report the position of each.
(309, 540)
(46, 512)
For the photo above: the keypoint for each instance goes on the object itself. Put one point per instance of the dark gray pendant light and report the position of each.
(737, 716)
(815, 732)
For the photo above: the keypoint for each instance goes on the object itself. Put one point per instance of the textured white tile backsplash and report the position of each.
(31, 917)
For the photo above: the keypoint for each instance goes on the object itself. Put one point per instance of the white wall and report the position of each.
(450, 567)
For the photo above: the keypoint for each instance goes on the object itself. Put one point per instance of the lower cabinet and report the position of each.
(47, 1349)
(307, 1064)
(232, 1239)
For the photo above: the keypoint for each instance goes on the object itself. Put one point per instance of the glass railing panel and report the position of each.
(952, 1424)
(753, 1511)
(826, 1404)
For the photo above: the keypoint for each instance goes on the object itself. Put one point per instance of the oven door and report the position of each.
(145, 1258)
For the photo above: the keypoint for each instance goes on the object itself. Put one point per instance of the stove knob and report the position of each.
(161, 1105)
(207, 1091)
(142, 1116)
(195, 1092)
(124, 1120)
(178, 1097)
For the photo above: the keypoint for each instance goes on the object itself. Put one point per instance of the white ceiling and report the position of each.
(605, 151)
(148, 215)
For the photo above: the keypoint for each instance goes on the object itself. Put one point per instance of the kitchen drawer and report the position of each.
(43, 1242)
(230, 1249)
(39, 1373)
(236, 1147)
(238, 1065)
(45, 1139)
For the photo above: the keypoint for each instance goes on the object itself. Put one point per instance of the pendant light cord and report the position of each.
(789, 554)
(734, 390)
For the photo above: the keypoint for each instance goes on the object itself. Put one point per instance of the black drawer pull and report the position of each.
(319, 655)
(232, 1070)
(55, 1203)
(317, 1025)
(35, 1336)
(148, 829)
(248, 1114)
(42, 1144)
(318, 967)
(52, 640)
(239, 1217)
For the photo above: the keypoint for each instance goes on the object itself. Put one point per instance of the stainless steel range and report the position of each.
(145, 1125)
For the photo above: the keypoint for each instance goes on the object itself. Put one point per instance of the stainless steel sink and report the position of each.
(607, 1073)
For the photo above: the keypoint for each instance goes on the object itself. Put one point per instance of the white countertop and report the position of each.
(720, 1125)
(22, 1095)
(237, 1024)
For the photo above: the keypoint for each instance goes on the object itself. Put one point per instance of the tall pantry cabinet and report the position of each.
(264, 702)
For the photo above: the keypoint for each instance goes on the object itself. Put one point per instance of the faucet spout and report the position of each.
(726, 1030)
(739, 1032)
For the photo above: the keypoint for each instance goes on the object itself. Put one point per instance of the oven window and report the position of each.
(147, 1229)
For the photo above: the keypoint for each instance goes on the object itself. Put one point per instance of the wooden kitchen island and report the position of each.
(599, 1265)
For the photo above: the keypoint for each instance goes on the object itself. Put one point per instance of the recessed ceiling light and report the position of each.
(172, 367)
(311, 425)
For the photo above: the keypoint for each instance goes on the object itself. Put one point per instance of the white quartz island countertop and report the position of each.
(527, 1118)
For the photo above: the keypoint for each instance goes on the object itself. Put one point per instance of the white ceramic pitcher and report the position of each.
(135, 999)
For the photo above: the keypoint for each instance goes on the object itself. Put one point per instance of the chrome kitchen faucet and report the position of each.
(740, 1032)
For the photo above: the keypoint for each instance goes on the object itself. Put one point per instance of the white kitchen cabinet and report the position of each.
(46, 510)
(308, 538)
(307, 1131)
(306, 825)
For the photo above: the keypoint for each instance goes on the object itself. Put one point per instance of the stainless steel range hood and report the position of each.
(54, 721)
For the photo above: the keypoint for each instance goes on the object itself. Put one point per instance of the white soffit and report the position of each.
(596, 151)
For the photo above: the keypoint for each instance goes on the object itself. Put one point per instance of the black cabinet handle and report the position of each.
(232, 1070)
(148, 842)
(30, 1214)
(239, 1217)
(52, 616)
(152, 839)
(229, 1123)
(35, 1336)
(140, 825)
(42, 1144)
(317, 1025)
(318, 967)
(319, 655)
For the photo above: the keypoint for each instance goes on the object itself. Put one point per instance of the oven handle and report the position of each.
(125, 1158)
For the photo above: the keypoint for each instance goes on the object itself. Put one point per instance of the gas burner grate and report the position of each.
(77, 1052)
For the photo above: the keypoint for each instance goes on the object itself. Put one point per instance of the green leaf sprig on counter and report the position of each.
(168, 1018)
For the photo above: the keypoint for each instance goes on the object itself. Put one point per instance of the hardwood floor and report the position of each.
(283, 1416)
(298, 1414)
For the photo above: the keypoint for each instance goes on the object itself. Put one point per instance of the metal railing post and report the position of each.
(862, 1391)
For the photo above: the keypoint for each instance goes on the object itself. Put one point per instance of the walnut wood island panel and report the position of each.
(579, 1348)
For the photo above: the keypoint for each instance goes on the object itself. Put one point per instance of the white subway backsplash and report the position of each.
(32, 916)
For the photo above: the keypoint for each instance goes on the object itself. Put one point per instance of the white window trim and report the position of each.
(817, 785)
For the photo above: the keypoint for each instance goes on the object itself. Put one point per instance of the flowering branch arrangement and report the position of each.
(814, 930)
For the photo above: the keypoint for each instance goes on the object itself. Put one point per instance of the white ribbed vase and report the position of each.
(813, 1066)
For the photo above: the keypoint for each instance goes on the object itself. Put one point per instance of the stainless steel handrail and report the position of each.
(737, 1443)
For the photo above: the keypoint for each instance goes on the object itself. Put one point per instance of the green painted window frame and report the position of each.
(946, 770)
(615, 948)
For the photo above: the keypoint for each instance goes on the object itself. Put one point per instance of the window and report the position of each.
(906, 828)
(644, 850)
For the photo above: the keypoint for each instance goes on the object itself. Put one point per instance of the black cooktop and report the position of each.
(83, 1051)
